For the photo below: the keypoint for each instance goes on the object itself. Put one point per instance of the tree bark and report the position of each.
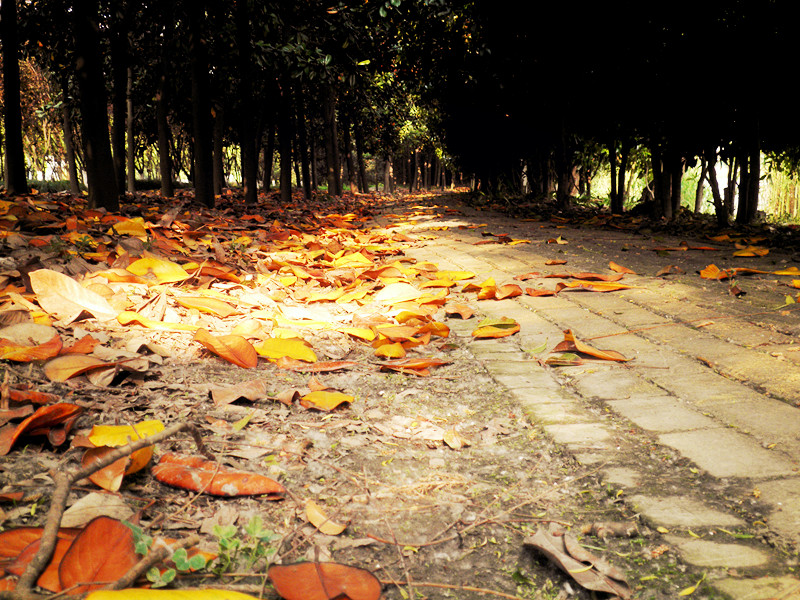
(218, 151)
(69, 142)
(164, 158)
(15, 176)
(119, 74)
(698, 193)
(363, 184)
(348, 156)
(247, 132)
(201, 104)
(285, 136)
(102, 181)
(269, 154)
(388, 174)
(331, 136)
(302, 144)
(130, 155)
(720, 210)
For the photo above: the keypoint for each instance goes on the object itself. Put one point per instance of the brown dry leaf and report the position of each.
(619, 268)
(26, 353)
(496, 328)
(317, 517)
(233, 348)
(572, 344)
(253, 390)
(670, 270)
(65, 367)
(587, 570)
(66, 299)
(208, 305)
(586, 276)
(462, 310)
(54, 421)
(536, 293)
(323, 581)
(455, 440)
(553, 262)
(751, 251)
(591, 286)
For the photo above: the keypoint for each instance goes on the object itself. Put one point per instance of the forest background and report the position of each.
(669, 104)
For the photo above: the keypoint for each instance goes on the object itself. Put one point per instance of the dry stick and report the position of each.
(465, 588)
(402, 562)
(63, 484)
(153, 558)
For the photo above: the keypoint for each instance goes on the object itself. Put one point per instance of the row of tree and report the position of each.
(521, 95)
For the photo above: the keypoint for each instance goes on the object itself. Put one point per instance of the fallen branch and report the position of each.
(448, 586)
(63, 485)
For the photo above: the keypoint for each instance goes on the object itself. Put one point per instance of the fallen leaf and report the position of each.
(572, 344)
(273, 349)
(104, 551)
(323, 581)
(43, 422)
(455, 440)
(619, 268)
(66, 299)
(233, 348)
(148, 594)
(317, 517)
(496, 328)
(324, 399)
(26, 353)
(196, 473)
(65, 367)
(207, 305)
(669, 270)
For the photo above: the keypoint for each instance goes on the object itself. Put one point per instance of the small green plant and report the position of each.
(84, 244)
(247, 550)
(183, 563)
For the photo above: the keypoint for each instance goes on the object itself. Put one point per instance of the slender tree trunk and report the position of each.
(201, 104)
(131, 148)
(348, 156)
(285, 136)
(302, 143)
(69, 143)
(331, 136)
(676, 173)
(388, 174)
(15, 176)
(363, 184)
(698, 193)
(313, 151)
(720, 210)
(119, 74)
(164, 158)
(102, 182)
(247, 133)
(218, 151)
(616, 204)
(269, 154)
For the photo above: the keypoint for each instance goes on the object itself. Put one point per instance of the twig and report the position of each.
(64, 482)
(153, 558)
(402, 563)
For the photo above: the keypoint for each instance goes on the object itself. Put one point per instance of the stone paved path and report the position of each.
(700, 432)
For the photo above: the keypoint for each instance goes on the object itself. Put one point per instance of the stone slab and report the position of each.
(582, 435)
(782, 496)
(682, 511)
(762, 588)
(726, 453)
(704, 553)
(661, 414)
(622, 477)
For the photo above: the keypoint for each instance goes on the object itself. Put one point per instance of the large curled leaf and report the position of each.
(496, 328)
(323, 581)
(66, 299)
(196, 473)
(233, 348)
(573, 344)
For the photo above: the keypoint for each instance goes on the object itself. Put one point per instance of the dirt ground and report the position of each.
(430, 520)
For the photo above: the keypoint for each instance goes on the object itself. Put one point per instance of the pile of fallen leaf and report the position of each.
(91, 299)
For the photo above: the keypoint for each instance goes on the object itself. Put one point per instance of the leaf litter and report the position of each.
(424, 467)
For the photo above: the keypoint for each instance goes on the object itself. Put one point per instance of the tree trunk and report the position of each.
(331, 136)
(269, 154)
(285, 136)
(69, 143)
(698, 193)
(119, 74)
(101, 179)
(616, 200)
(363, 184)
(749, 177)
(247, 132)
(302, 144)
(662, 184)
(313, 152)
(164, 158)
(201, 104)
(348, 156)
(130, 155)
(720, 209)
(15, 176)
(413, 166)
(218, 152)
(388, 174)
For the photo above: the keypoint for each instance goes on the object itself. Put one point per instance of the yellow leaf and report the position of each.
(317, 517)
(324, 400)
(135, 227)
(126, 317)
(165, 271)
(359, 332)
(662, 530)
(274, 349)
(233, 348)
(119, 435)
(391, 350)
(208, 305)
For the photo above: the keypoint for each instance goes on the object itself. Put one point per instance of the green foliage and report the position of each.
(246, 550)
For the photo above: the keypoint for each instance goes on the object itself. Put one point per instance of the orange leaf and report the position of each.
(496, 328)
(41, 422)
(21, 353)
(509, 290)
(49, 577)
(572, 344)
(14, 541)
(417, 366)
(291, 364)
(31, 396)
(390, 350)
(619, 268)
(462, 310)
(109, 478)
(233, 348)
(714, 272)
(533, 292)
(323, 581)
(64, 367)
(670, 270)
(591, 286)
(196, 473)
(103, 552)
